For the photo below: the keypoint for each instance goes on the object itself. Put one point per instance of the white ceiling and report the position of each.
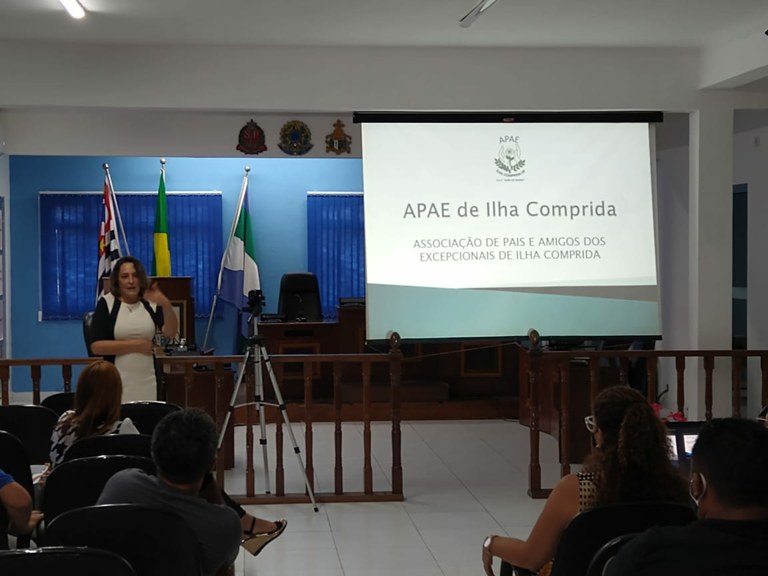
(530, 23)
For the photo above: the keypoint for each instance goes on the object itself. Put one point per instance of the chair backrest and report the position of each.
(59, 402)
(13, 461)
(156, 542)
(589, 530)
(606, 552)
(80, 560)
(300, 297)
(32, 425)
(88, 332)
(78, 483)
(146, 415)
(111, 445)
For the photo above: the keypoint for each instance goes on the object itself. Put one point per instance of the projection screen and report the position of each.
(486, 229)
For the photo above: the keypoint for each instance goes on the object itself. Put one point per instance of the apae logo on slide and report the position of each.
(509, 161)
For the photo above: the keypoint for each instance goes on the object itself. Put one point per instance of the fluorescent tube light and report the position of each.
(475, 13)
(74, 8)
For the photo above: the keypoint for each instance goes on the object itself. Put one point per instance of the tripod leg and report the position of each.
(281, 406)
(231, 408)
(259, 393)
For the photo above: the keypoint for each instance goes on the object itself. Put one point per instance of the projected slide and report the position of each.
(488, 230)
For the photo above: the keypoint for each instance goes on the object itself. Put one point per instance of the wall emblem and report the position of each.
(251, 139)
(338, 141)
(295, 138)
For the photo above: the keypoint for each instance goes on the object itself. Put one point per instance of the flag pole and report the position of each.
(238, 209)
(113, 195)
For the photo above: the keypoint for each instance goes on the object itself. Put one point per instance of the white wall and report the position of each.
(126, 132)
(320, 80)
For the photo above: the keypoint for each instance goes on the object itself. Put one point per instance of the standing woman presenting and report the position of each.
(124, 327)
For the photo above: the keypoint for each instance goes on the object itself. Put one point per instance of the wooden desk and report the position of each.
(300, 338)
(432, 372)
(206, 394)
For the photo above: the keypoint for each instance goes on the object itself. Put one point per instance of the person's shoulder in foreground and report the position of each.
(728, 484)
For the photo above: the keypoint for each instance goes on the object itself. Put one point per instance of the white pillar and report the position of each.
(710, 250)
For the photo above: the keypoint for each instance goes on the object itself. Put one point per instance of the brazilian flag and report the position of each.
(161, 261)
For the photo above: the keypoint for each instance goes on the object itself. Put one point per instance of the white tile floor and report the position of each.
(463, 480)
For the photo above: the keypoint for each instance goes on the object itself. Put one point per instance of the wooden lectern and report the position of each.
(178, 289)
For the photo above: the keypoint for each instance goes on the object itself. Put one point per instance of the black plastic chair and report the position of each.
(299, 299)
(146, 415)
(606, 552)
(13, 461)
(155, 541)
(88, 332)
(79, 483)
(589, 530)
(80, 560)
(32, 425)
(111, 445)
(59, 402)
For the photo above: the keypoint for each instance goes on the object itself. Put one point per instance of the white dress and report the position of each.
(136, 370)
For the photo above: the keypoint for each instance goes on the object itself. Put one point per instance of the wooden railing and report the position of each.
(548, 374)
(300, 413)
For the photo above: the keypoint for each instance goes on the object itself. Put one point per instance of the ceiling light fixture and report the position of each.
(475, 13)
(74, 8)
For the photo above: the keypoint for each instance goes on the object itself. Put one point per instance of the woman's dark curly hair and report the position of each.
(633, 460)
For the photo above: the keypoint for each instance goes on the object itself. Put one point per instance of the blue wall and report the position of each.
(277, 194)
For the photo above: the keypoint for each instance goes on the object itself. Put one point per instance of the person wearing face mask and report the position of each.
(729, 485)
(629, 463)
(124, 326)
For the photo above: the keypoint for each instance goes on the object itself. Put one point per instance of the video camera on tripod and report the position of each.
(255, 302)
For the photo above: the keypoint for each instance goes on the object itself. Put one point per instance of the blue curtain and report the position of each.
(336, 247)
(69, 229)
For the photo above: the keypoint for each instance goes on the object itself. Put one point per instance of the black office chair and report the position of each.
(32, 425)
(155, 541)
(111, 445)
(589, 530)
(606, 552)
(14, 461)
(146, 415)
(88, 332)
(80, 560)
(299, 299)
(59, 402)
(79, 482)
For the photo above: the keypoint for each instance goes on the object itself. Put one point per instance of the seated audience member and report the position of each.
(630, 463)
(729, 485)
(18, 506)
(184, 450)
(96, 411)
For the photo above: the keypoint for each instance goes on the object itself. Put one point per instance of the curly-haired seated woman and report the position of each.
(630, 463)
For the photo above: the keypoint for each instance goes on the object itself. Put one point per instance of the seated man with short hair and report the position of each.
(184, 450)
(729, 484)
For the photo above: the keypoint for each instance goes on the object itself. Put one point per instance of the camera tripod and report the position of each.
(256, 353)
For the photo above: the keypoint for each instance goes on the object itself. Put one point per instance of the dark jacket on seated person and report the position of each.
(717, 547)
(729, 485)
